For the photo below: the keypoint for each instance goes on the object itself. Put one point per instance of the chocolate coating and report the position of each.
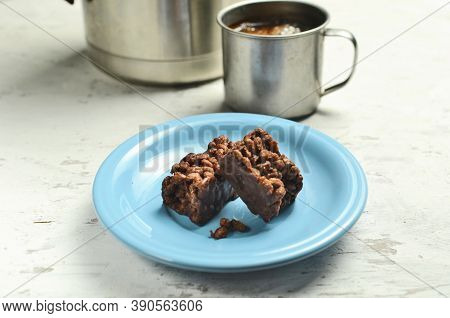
(265, 180)
(197, 187)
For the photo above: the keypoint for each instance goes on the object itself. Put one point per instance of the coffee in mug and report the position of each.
(267, 28)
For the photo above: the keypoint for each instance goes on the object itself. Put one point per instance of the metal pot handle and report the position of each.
(349, 36)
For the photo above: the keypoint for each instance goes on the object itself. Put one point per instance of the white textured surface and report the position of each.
(60, 117)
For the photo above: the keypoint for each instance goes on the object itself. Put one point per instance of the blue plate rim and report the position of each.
(206, 265)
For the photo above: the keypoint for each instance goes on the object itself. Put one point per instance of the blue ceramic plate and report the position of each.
(127, 196)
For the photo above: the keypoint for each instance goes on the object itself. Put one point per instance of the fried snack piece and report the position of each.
(265, 180)
(234, 225)
(196, 187)
(239, 226)
(227, 226)
(220, 233)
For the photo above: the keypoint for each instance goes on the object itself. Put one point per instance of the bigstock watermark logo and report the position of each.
(162, 146)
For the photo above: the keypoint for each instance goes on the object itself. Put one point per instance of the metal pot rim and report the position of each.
(225, 10)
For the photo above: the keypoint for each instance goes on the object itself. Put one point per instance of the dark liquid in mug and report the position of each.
(266, 28)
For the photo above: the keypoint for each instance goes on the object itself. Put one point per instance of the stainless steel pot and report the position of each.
(156, 41)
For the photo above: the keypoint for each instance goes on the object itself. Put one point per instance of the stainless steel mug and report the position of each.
(277, 75)
(156, 41)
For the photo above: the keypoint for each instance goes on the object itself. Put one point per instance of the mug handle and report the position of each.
(349, 36)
